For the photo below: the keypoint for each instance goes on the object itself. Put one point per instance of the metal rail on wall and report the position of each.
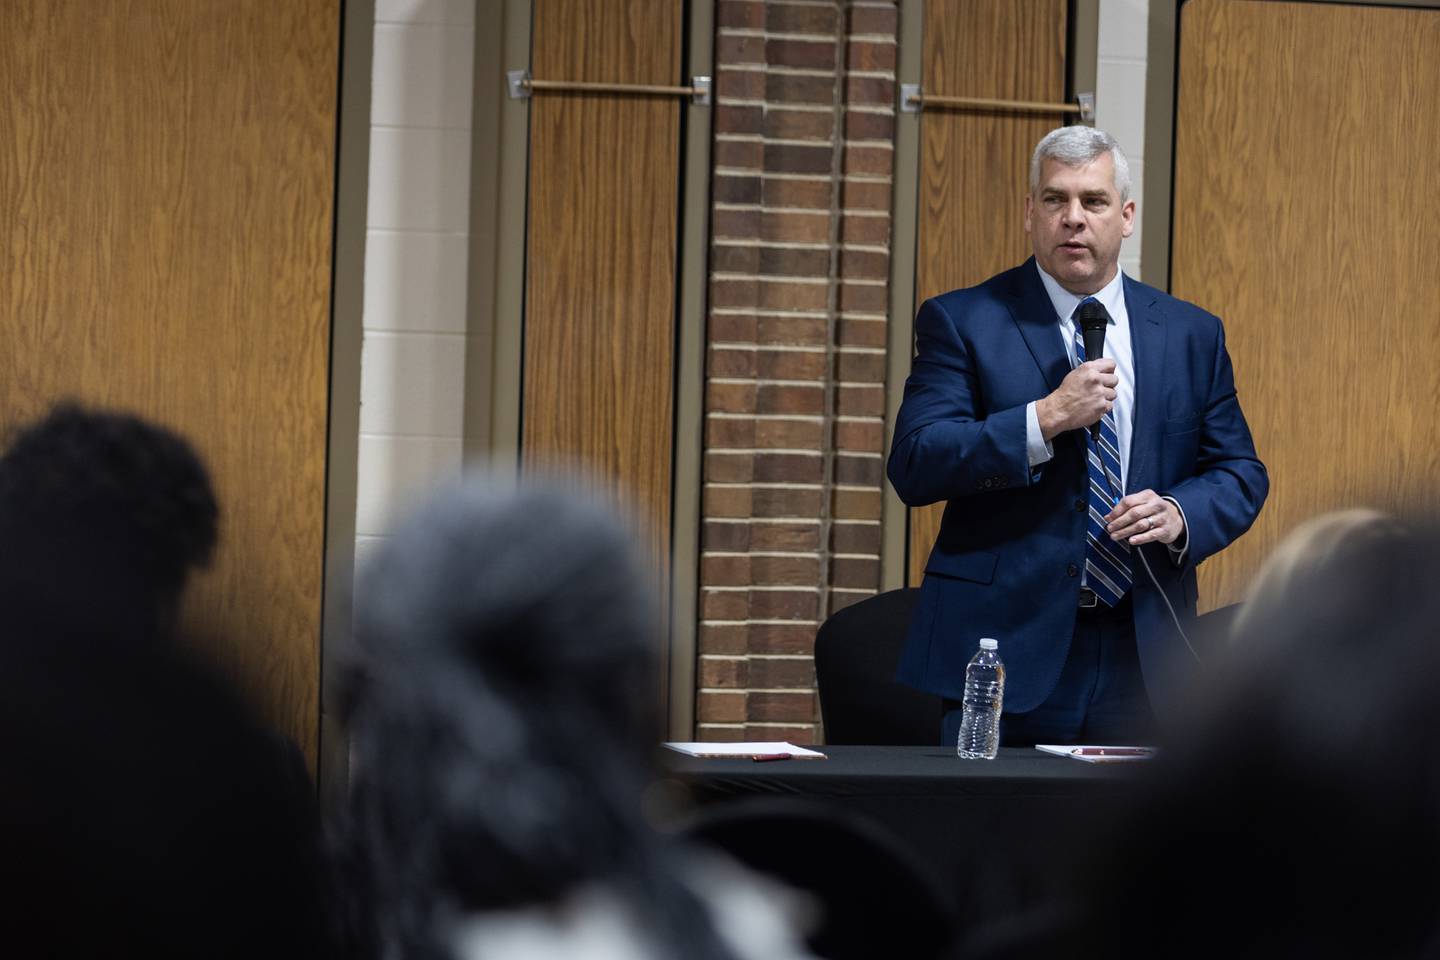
(520, 86)
(912, 100)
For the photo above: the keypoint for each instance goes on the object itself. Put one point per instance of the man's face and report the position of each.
(1076, 222)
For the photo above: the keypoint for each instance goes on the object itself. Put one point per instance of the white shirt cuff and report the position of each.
(1181, 545)
(1037, 447)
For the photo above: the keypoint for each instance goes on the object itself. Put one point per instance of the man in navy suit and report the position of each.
(1076, 551)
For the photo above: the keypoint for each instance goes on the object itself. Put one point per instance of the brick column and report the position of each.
(804, 130)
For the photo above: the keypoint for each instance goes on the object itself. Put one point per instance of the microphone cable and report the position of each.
(1114, 485)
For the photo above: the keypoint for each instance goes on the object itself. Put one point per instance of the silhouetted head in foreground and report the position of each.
(1319, 579)
(146, 810)
(102, 516)
(1299, 813)
(503, 712)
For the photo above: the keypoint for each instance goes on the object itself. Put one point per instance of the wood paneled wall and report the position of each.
(601, 259)
(1306, 146)
(166, 190)
(975, 165)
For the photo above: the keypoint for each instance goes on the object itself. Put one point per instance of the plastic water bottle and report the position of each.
(984, 692)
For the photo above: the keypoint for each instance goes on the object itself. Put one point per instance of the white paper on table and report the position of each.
(1098, 753)
(746, 751)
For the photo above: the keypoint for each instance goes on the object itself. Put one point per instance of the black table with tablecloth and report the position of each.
(997, 835)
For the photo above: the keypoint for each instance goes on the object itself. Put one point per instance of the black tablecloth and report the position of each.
(999, 836)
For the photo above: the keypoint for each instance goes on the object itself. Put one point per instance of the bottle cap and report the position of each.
(986, 643)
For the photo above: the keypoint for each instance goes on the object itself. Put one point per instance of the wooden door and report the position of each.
(166, 190)
(599, 339)
(1306, 143)
(975, 165)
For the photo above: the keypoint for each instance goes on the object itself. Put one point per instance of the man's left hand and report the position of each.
(1144, 517)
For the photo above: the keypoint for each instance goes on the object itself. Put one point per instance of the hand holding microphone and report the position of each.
(1088, 392)
(1085, 395)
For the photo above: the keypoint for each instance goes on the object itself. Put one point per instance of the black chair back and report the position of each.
(874, 897)
(1210, 635)
(855, 655)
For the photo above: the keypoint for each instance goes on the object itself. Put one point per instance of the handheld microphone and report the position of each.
(1092, 319)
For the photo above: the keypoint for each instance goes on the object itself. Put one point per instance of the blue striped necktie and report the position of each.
(1107, 563)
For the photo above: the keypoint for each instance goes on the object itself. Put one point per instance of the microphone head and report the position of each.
(1092, 315)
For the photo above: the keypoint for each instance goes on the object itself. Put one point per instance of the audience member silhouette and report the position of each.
(1297, 813)
(145, 810)
(102, 517)
(503, 715)
(1311, 575)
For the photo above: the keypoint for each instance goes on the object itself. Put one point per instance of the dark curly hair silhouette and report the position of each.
(503, 711)
(103, 515)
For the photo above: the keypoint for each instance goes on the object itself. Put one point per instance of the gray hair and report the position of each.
(1077, 146)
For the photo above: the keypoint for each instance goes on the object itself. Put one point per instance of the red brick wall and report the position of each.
(799, 268)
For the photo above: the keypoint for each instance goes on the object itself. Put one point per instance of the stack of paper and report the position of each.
(1098, 753)
(747, 751)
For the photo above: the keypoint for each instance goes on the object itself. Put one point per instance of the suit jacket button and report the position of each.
(1072, 571)
(1080, 506)
(988, 483)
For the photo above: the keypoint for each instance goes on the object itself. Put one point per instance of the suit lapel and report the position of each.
(1147, 341)
(1034, 314)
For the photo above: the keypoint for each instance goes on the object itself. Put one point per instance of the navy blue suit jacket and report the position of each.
(1012, 541)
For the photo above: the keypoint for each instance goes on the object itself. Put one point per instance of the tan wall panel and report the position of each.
(166, 191)
(600, 287)
(974, 165)
(1305, 154)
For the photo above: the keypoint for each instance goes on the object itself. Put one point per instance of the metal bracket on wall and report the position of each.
(912, 100)
(520, 86)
